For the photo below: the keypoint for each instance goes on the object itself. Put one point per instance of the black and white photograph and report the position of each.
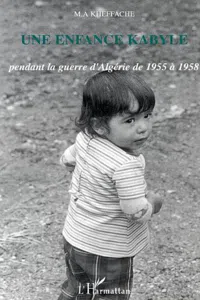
(99, 150)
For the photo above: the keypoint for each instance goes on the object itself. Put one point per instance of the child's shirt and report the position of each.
(104, 174)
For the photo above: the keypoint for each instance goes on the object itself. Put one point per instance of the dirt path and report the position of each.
(36, 124)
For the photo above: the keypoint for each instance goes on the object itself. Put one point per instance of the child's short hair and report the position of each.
(107, 94)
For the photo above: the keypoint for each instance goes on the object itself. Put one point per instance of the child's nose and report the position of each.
(142, 127)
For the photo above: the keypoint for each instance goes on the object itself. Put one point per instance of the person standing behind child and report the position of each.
(107, 219)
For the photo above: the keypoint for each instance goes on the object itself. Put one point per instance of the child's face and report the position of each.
(130, 131)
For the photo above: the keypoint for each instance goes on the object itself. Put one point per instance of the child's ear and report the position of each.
(98, 127)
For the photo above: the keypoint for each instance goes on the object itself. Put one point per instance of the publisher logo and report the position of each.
(95, 289)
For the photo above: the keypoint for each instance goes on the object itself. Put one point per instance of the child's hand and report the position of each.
(70, 168)
(156, 201)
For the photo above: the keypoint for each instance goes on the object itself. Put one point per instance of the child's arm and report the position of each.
(143, 213)
(138, 210)
(68, 159)
(131, 189)
(156, 200)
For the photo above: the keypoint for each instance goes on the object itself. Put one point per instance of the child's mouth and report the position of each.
(141, 141)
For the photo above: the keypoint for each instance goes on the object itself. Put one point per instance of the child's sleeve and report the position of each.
(131, 188)
(69, 156)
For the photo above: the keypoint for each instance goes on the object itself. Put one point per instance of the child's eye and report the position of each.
(132, 120)
(146, 116)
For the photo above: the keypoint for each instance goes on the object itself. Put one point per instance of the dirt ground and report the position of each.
(37, 112)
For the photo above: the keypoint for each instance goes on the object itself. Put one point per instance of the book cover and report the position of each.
(48, 50)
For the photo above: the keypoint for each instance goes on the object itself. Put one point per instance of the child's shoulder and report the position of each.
(82, 137)
(102, 150)
(110, 153)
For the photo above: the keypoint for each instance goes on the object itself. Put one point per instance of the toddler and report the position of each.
(107, 220)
